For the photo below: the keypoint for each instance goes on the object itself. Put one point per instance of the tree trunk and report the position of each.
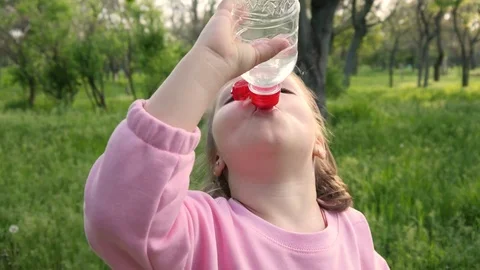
(31, 92)
(473, 60)
(99, 96)
(360, 26)
(438, 65)
(421, 62)
(441, 53)
(314, 46)
(103, 104)
(89, 96)
(391, 63)
(465, 71)
(128, 70)
(131, 85)
(462, 38)
(355, 65)
(444, 69)
(352, 55)
(196, 26)
(466, 59)
(426, 65)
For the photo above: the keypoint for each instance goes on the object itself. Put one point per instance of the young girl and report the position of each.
(277, 200)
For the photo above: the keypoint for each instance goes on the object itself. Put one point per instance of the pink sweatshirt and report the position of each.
(139, 214)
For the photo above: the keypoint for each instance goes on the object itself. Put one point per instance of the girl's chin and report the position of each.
(265, 138)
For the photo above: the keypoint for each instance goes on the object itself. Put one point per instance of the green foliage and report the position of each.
(69, 45)
(334, 81)
(60, 76)
(410, 157)
(371, 53)
(154, 54)
(41, 54)
(20, 50)
(158, 66)
(53, 36)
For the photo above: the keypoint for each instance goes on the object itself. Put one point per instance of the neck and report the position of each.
(285, 198)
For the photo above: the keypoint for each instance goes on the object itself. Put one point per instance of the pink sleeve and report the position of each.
(371, 258)
(380, 262)
(141, 178)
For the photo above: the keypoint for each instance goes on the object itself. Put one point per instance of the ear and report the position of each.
(218, 167)
(319, 149)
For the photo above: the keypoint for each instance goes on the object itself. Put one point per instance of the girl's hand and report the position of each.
(232, 57)
(215, 59)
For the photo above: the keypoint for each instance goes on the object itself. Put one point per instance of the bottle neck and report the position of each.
(264, 91)
(264, 98)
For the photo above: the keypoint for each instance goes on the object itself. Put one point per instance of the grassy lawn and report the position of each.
(410, 156)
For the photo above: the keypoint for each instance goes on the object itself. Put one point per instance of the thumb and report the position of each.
(257, 53)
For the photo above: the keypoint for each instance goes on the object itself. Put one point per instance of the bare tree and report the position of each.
(426, 33)
(396, 28)
(128, 31)
(343, 22)
(441, 52)
(466, 35)
(473, 56)
(361, 23)
(473, 39)
(195, 21)
(14, 37)
(314, 45)
(187, 21)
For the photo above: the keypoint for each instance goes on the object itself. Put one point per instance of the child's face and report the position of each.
(241, 132)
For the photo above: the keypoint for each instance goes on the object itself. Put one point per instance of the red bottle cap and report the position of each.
(262, 98)
(265, 102)
(265, 98)
(240, 90)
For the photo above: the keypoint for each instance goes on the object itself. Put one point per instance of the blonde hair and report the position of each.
(332, 192)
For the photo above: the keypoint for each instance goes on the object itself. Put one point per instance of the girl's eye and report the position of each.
(286, 91)
(283, 90)
(230, 99)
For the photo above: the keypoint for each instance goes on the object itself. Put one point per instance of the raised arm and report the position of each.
(135, 192)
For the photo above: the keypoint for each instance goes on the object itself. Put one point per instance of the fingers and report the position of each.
(225, 8)
(251, 55)
(226, 5)
(266, 50)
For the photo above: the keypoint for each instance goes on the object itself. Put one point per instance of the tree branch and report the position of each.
(455, 23)
(354, 12)
(366, 8)
(424, 20)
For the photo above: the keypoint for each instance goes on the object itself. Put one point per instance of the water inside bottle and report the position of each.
(274, 71)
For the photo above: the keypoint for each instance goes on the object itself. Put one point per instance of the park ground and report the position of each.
(410, 156)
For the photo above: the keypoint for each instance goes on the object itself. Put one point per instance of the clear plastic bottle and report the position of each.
(260, 20)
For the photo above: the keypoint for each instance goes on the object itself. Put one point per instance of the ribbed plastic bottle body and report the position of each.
(260, 20)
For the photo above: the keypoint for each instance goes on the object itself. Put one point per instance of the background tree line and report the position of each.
(61, 47)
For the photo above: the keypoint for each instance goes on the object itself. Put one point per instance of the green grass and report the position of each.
(411, 158)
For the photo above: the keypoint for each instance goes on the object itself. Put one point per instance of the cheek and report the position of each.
(301, 111)
(225, 123)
